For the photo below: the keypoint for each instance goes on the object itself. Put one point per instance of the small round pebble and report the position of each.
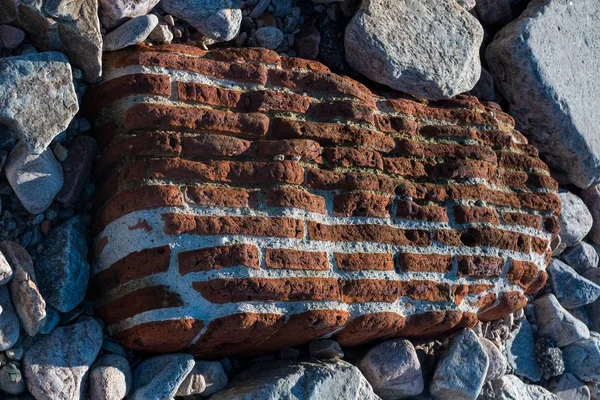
(269, 37)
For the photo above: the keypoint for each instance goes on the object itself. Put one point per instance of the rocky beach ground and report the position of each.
(539, 60)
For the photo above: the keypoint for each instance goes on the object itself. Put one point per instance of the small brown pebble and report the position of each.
(45, 227)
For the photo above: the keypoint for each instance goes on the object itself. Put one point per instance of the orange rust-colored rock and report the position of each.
(248, 202)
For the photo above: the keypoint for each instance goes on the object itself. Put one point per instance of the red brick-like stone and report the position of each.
(364, 261)
(425, 262)
(218, 257)
(480, 267)
(296, 259)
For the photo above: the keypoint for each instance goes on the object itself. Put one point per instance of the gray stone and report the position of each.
(131, 32)
(404, 45)
(5, 270)
(282, 7)
(9, 323)
(575, 219)
(591, 198)
(55, 365)
(37, 97)
(194, 383)
(556, 322)
(114, 12)
(36, 179)
(15, 353)
(494, 12)
(25, 296)
(549, 357)
(467, 4)
(159, 377)
(568, 387)
(325, 348)
(498, 364)
(11, 380)
(520, 351)
(52, 320)
(11, 37)
(509, 387)
(110, 378)
(393, 369)
(593, 275)
(306, 380)
(161, 34)
(461, 372)
(571, 289)
(530, 60)
(62, 268)
(69, 26)
(484, 88)
(76, 169)
(582, 359)
(206, 378)
(581, 257)
(218, 20)
(269, 37)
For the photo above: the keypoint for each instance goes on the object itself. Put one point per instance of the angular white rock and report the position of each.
(115, 12)
(131, 32)
(575, 219)
(498, 364)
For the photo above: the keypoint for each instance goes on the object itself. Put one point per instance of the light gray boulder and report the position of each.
(556, 322)
(132, 32)
(114, 12)
(571, 289)
(68, 26)
(110, 378)
(582, 358)
(532, 60)
(35, 178)
(509, 387)
(305, 380)
(37, 97)
(206, 378)
(55, 365)
(498, 363)
(5, 270)
(405, 45)
(568, 387)
(520, 351)
(591, 198)
(581, 257)
(461, 372)
(218, 20)
(575, 219)
(159, 377)
(393, 369)
(9, 322)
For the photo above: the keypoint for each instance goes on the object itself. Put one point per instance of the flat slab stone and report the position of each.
(556, 322)
(546, 64)
(520, 350)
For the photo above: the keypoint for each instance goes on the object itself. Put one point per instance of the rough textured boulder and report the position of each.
(405, 45)
(533, 60)
(248, 196)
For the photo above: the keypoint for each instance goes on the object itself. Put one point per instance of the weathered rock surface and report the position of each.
(9, 323)
(582, 358)
(62, 268)
(591, 198)
(10, 37)
(76, 169)
(114, 12)
(11, 380)
(216, 19)
(404, 45)
(26, 298)
(5, 270)
(306, 380)
(568, 387)
(244, 143)
(494, 12)
(269, 37)
(581, 257)
(556, 322)
(510, 387)
(110, 378)
(159, 377)
(571, 289)
(56, 364)
(498, 364)
(393, 369)
(461, 372)
(37, 97)
(68, 26)
(529, 59)
(325, 348)
(131, 32)
(206, 378)
(520, 350)
(36, 179)
(575, 219)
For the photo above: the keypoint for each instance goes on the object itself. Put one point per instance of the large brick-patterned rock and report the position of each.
(249, 202)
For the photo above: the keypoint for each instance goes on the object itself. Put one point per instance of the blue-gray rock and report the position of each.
(509, 387)
(206, 378)
(36, 179)
(132, 32)
(556, 322)
(55, 365)
(114, 12)
(571, 289)
(11, 380)
(581, 257)
(520, 352)
(159, 377)
(404, 45)
(9, 323)
(393, 369)
(5, 270)
(219, 20)
(269, 37)
(461, 372)
(498, 364)
(531, 60)
(62, 268)
(575, 219)
(325, 348)
(568, 387)
(582, 359)
(304, 380)
(110, 378)
(52, 320)
(282, 7)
